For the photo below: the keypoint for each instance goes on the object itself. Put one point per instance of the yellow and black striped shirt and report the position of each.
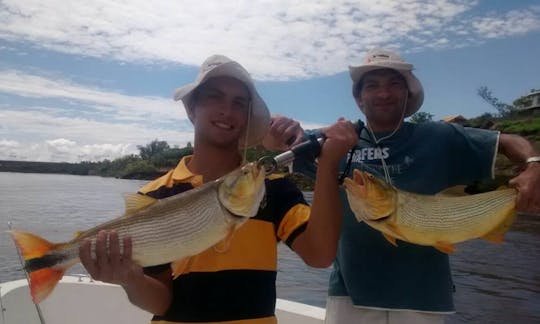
(236, 285)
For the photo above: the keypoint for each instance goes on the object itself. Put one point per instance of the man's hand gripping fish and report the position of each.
(437, 220)
(161, 231)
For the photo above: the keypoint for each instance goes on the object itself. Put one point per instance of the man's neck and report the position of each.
(213, 162)
(385, 128)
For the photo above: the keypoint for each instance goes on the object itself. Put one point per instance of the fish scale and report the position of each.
(443, 213)
(152, 228)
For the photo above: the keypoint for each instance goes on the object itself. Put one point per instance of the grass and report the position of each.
(529, 127)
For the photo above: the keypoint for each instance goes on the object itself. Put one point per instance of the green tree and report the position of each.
(152, 149)
(138, 169)
(421, 117)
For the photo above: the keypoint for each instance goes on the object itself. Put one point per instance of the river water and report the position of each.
(494, 283)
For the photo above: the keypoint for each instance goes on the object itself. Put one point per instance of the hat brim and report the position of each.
(416, 98)
(259, 121)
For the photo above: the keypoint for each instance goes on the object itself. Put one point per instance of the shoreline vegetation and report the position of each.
(157, 158)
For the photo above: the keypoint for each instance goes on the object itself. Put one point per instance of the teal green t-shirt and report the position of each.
(423, 158)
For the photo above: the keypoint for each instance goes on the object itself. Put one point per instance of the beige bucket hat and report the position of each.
(385, 59)
(219, 65)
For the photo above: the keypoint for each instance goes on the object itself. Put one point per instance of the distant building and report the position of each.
(533, 103)
(456, 119)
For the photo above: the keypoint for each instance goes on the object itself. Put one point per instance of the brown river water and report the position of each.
(495, 283)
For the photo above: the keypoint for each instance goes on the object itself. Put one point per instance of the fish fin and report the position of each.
(390, 239)
(135, 202)
(42, 281)
(30, 245)
(496, 235)
(224, 245)
(274, 176)
(395, 231)
(445, 247)
(455, 191)
(181, 266)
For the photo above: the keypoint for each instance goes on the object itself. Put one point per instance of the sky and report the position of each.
(91, 80)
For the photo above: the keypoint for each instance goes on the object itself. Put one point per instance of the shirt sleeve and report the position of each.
(474, 151)
(293, 224)
(286, 208)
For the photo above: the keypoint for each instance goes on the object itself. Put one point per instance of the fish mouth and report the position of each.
(236, 216)
(243, 191)
(381, 219)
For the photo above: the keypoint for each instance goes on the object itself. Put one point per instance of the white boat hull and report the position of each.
(80, 300)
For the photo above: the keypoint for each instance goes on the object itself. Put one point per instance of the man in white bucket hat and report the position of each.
(221, 66)
(381, 60)
(236, 284)
(374, 281)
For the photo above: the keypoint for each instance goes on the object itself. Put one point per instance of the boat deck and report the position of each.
(80, 300)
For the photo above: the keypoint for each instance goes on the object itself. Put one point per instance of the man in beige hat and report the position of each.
(236, 285)
(374, 281)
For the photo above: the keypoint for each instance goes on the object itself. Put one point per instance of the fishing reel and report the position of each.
(309, 149)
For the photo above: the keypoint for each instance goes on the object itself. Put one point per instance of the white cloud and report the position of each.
(45, 137)
(104, 124)
(515, 22)
(55, 133)
(62, 150)
(310, 125)
(274, 39)
(128, 108)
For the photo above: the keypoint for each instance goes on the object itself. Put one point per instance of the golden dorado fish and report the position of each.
(161, 231)
(435, 220)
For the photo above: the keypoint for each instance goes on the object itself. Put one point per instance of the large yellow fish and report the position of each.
(436, 220)
(162, 231)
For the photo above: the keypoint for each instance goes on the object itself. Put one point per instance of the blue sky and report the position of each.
(89, 80)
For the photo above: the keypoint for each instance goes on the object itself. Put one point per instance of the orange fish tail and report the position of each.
(30, 245)
(43, 281)
(33, 247)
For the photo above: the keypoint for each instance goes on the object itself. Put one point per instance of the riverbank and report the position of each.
(156, 158)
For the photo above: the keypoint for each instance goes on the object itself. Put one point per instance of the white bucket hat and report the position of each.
(217, 66)
(384, 59)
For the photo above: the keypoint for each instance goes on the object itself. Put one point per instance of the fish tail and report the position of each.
(39, 263)
(42, 283)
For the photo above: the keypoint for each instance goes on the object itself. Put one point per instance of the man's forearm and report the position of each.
(516, 148)
(150, 294)
(318, 244)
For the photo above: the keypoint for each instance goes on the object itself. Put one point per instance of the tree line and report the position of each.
(153, 160)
